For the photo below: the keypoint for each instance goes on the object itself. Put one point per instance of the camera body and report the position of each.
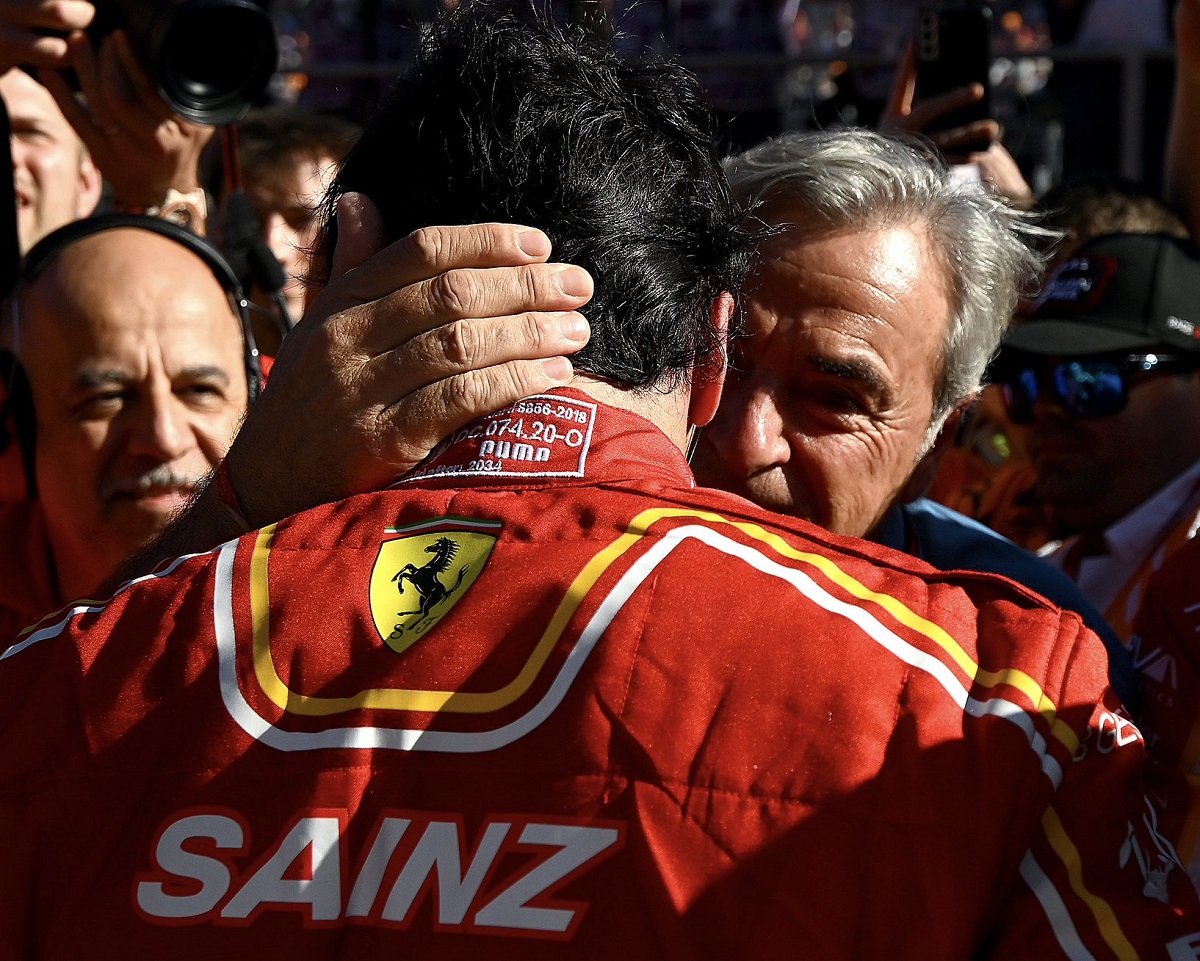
(210, 59)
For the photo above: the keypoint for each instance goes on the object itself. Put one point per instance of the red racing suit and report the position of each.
(548, 699)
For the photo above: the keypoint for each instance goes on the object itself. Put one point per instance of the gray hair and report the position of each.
(859, 179)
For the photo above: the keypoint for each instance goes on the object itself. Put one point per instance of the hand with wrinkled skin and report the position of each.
(399, 351)
(141, 147)
(404, 346)
(24, 25)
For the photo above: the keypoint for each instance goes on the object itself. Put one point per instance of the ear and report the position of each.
(708, 379)
(927, 466)
(91, 183)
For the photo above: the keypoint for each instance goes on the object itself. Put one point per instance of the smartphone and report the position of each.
(954, 50)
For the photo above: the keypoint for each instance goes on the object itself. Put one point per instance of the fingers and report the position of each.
(928, 111)
(435, 276)
(431, 251)
(359, 233)
(120, 88)
(966, 139)
(137, 81)
(65, 15)
(448, 377)
(94, 122)
(464, 294)
(23, 26)
(904, 87)
(20, 45)
(477, 344)
(999, 171)
(71, 108)
(414, 426)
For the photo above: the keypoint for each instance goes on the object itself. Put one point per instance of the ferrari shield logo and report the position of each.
(422, 570)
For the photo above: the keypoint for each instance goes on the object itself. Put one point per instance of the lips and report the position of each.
(157, 490)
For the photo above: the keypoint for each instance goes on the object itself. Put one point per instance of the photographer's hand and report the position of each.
(404, 346)
(24, 25)
(142, 148)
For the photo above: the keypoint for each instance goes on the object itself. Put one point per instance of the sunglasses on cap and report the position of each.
(1087, 387)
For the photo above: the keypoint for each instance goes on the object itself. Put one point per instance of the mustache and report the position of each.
(162, 476)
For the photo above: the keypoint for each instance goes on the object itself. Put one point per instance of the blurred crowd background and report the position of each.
(1080, 85)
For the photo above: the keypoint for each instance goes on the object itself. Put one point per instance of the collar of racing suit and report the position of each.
(557, 437)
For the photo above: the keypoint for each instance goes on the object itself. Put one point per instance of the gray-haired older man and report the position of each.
(872, 315)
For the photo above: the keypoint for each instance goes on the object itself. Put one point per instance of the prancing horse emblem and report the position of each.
(425, 579)
(428, 586)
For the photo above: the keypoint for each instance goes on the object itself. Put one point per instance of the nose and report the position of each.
(160, 429)
(747, 434)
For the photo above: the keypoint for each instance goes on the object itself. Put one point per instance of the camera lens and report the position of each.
(215, 59)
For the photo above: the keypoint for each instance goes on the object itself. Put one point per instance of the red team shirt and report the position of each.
(548, 699)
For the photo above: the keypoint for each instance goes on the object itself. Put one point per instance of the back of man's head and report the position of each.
(506, 117)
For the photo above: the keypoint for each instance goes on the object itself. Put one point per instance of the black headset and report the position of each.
(16, 403)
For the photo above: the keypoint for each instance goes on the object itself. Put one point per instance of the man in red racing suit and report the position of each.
(548, 699)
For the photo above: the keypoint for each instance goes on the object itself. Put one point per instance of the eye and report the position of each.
(201, 394)
(298, 220)
(103, 405)
(200, 390)
(834, 399)
(33, 135)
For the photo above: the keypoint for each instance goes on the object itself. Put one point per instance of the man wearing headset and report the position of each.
(137, 387)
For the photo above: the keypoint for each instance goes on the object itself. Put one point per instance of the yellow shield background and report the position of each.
(398, 616)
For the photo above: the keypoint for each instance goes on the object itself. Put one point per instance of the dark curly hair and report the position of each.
(508, 117)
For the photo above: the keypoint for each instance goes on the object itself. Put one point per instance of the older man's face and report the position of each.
(830, 411)
(134, 358)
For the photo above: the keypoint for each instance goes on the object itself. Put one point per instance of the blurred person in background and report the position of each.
(988, 474)
(287, 157)
(54, 176)
(1106, 374)
(135, 361)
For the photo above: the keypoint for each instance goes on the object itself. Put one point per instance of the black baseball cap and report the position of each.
(1119, 292)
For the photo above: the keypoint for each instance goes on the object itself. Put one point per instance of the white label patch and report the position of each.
(541, 436)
